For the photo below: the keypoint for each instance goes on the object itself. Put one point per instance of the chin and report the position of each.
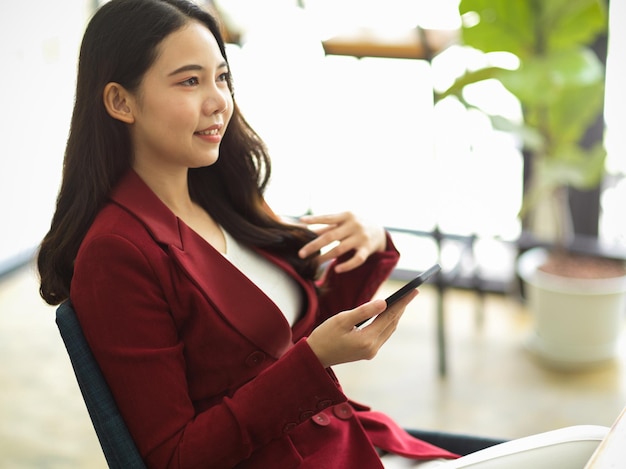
(205, 163)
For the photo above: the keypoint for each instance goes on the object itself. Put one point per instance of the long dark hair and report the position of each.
(119, 45)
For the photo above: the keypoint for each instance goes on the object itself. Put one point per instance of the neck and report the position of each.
(172, 188)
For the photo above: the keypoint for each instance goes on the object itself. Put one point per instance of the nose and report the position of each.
(216, 101)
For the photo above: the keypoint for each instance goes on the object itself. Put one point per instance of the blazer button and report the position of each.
(306, 415)
(321, 405)
(321, 419)
(255, 359)
(343, 411)
(289, 427)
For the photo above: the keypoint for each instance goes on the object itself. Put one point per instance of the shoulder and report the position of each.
(116, 233)
(114, 220)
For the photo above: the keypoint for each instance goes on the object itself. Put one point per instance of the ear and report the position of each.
(118, 102)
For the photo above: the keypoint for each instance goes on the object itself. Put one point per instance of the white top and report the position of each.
(277, 284)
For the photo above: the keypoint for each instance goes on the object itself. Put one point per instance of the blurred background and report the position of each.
(345, 133)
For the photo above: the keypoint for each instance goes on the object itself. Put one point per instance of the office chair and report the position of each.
(576, 445)
(117, 444)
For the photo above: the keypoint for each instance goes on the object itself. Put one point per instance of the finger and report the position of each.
(336, 248)
(324, 239)
(347, 239)
(315, 246)
(325, 219)
(320, 229)
(365, 312)
(404, 301)
(388, 320)
(361, 314)
(310, 248)
(358, 259)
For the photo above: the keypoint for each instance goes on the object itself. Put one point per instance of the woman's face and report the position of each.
(183, 104)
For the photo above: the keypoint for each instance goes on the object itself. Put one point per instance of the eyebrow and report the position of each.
(194, 67)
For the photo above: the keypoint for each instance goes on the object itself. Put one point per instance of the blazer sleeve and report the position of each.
(117, 291)
(344, 291)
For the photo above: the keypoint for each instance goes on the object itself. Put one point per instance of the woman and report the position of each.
(179, 272)
(203, 308)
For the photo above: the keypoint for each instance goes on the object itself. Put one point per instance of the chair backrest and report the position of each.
(116, 442)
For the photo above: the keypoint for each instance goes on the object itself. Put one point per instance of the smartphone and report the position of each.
(405, 289)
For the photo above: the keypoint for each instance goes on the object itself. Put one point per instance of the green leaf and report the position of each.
(574, 166)
(538, 78)
(502, 25)
(572, 23)
(574, 110)
(468, 78)
(530, 137)
(561, 94)
(559, 83)
(531, 27)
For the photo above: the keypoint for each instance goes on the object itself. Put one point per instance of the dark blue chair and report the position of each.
(116, 442)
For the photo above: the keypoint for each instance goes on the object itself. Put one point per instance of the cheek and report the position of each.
(230, 110)
(159, 113)
(176, 113)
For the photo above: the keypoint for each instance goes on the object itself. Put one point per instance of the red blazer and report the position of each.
(205, 369)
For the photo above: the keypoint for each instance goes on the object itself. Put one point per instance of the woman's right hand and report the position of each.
(337, 340)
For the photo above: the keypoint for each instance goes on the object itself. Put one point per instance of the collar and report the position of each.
(237, 299)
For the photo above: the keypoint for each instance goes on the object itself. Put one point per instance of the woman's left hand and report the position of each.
(345, 232)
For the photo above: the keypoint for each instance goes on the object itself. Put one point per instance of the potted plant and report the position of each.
(559, 84)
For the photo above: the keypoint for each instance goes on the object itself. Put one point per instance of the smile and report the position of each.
(208, 132)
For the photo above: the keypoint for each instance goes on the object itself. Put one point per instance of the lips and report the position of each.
(211, 134)
(212, 131)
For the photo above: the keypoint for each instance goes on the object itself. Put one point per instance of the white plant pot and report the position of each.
(577, 322)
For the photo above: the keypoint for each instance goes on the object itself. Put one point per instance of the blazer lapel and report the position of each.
(237, 299)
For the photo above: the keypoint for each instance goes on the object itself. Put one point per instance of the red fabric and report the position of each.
(204, 368)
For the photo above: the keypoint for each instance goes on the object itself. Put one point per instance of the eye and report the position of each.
(224, 77)
(192, 81)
